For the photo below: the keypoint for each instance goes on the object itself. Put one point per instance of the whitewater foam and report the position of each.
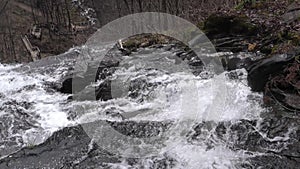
(39, 111)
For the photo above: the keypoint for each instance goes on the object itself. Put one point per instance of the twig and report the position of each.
(2, 10)
(281, 104)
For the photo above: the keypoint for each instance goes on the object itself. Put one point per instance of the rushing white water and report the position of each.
(179, 97)
(29, 113)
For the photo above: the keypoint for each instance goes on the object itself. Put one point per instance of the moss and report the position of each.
(200, 25)
(130, 43)
(274, 49)
(145, 40)
(295, 39)
(30, 146)
(258, 5)
(283, 47)
(245, 3)
(252, 4)
(297, 58)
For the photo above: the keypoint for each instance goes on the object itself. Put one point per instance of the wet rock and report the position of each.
(233, 63)
(16, 118)
(230, 43)
(269, 161)
(64, 149)
(260, 71)
(164, 162)
(52, 87)
(67, 87)
(141, 129)
(145, 40)
(2, 95)
(103, 92)
(274, 134)
(26, 88)
(103, 72)
(71, 147)
(294, 146)
(228, 33)
(80, 85)
(99, 92)
(85, 91)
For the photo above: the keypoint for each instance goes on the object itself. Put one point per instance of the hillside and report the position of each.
(18, 18)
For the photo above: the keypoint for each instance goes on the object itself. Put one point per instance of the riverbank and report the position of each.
(270, 27)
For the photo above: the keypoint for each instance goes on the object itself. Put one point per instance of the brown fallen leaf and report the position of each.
(251, 47)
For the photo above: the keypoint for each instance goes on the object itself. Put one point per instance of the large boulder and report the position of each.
(228, 25)
(67, 87)
(80, 84)
(64, 149)
(71, 147)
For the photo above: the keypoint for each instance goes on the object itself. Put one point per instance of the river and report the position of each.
(194, 118)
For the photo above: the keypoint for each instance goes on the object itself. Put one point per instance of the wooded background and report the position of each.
(18, 16)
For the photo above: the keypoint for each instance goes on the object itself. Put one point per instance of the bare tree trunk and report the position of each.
(5, 46)
(69, 15)
(32, 12)
(11, 38)
(132, 6)
(127, 5)
(140, 5)
(119, 8)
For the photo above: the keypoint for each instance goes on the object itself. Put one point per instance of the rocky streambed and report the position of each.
(133, 113)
